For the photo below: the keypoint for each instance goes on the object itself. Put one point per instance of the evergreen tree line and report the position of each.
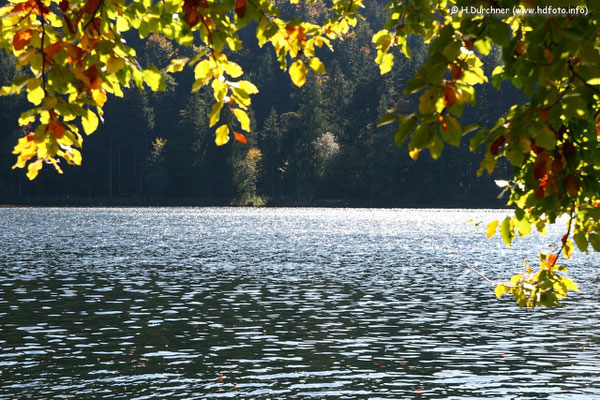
(317, 145)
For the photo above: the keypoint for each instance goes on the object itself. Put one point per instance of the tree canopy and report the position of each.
(77, 54)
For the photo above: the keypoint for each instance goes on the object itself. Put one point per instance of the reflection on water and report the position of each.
(280, 303)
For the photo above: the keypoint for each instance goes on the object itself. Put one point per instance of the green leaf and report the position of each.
(506, 231)
(581, 241)
(499, 31)
(452, 132)
(478, 138)
(452, 50)
(298, 73)
(431, 100)
(404, 128)
(423, 135)
(89, 121)
(436, 147)
(523, 226)
(222, 135)
(544, 137)
(387, 119)
(414, 85)
(595, 241)
(575, 107)
(243, 118)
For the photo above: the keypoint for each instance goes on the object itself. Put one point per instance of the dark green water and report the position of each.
(285, 303)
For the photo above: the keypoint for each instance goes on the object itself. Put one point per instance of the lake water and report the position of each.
(202, 303)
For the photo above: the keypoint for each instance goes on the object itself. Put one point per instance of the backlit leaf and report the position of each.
(506, 231)
(154, 79)
(36, 95)
(89, 121)
(317, 65)
(222, 135)
(298, 73)
(491, 228)
(240, 138)
(243, 118)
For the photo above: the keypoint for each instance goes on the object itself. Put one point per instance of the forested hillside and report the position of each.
(314, 145)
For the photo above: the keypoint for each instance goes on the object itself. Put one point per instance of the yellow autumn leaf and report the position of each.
(89, 121)
(215, 112)
(219, 89)
(243, 118)
(222, 135)
(248, 87)
(233, 69)
(99, 96)
(33, 169)
(177, 64)
(386, 63)
(114, 65)
(298, 73)
(154, 79)
(491, 229)
(317, 65)
(36, 95)
(500, 290)
(414, 154)
(202, 70)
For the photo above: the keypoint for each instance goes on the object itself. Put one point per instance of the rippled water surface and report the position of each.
(281, 303)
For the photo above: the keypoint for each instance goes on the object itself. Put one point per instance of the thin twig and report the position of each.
(42, 46)
(466, 264)
(564, 241)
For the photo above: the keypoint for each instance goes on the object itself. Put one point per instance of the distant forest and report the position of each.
(317, 145)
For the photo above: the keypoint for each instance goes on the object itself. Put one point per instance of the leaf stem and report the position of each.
(39, 4)
(564, 240)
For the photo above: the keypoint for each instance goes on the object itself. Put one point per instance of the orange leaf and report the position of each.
(240, 8)
(21, 39)
(56, 128)
(496, 144)
(64, 5)
(551, 259)
(91, 6)
(192, 17)
(240, 138)
(51, 50)
(449, 96)
(75, 53)
(541, 165)
(99, 96)
(91, 73)
(572, 185)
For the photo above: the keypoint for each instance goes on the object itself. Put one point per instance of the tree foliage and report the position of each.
(77, 54)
